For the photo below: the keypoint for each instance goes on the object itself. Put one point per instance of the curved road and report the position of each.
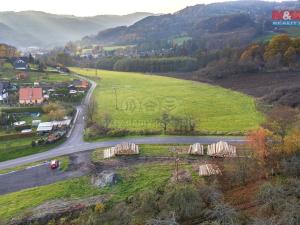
(75, 142)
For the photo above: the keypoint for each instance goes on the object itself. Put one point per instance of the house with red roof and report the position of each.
(28, 95)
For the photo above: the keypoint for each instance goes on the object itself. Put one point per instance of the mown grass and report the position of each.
(12, 149)
(135, 102)
(15, 203)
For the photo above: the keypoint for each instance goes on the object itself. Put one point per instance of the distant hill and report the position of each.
(30, 28)
(215, 23)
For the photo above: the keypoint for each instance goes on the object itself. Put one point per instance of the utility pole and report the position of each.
(176, 168)
(116, 97)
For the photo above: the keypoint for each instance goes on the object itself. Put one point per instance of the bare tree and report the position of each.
(164, 121)
(106, 120)
(91, 110)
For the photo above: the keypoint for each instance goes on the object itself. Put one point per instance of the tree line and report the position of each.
(157, 64)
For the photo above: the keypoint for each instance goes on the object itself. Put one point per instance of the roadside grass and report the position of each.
(135, 101)
(64, 162)
(147, 150)
(16, 203)
(168, 150)
(12, 149)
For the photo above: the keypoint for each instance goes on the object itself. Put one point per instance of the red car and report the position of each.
(54, 164)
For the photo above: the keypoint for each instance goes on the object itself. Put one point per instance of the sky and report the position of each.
(99, 7)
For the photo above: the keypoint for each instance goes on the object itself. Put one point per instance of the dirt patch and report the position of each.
(243, 198)
(81, 162)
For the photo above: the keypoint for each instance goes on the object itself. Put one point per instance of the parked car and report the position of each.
(54, 164)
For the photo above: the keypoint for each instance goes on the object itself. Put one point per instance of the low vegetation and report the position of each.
(15, 148)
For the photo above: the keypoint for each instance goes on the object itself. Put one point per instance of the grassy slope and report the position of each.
(142, 99)
(138, 178)
(14, 203)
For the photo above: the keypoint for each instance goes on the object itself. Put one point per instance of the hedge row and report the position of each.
(30, 109)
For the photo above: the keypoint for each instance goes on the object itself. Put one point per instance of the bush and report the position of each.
(291, 166)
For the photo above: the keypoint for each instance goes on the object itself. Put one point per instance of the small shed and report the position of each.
(45, 127)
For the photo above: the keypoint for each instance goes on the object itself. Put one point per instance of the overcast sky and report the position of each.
(99, 7)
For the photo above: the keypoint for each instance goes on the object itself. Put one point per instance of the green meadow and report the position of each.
(135, 101)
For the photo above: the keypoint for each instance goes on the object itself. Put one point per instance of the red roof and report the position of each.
(30, 93)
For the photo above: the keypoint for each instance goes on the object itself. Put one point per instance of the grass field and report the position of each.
(116, 47)
(135, 101)
(14, 203)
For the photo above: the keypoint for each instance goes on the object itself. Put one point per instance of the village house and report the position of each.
(4, 85)
(21, 76)
(21, 64)
(31, 96)
(81, 84)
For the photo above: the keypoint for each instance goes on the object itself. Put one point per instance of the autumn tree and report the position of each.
(281, 119)
(258, 141)
(57, 114)
(290, 56)
(278, 45)
(292, 143)
(250, 53)
(91, 111)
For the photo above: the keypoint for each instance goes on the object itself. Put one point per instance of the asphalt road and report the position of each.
(41, 174)
(75, 142)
